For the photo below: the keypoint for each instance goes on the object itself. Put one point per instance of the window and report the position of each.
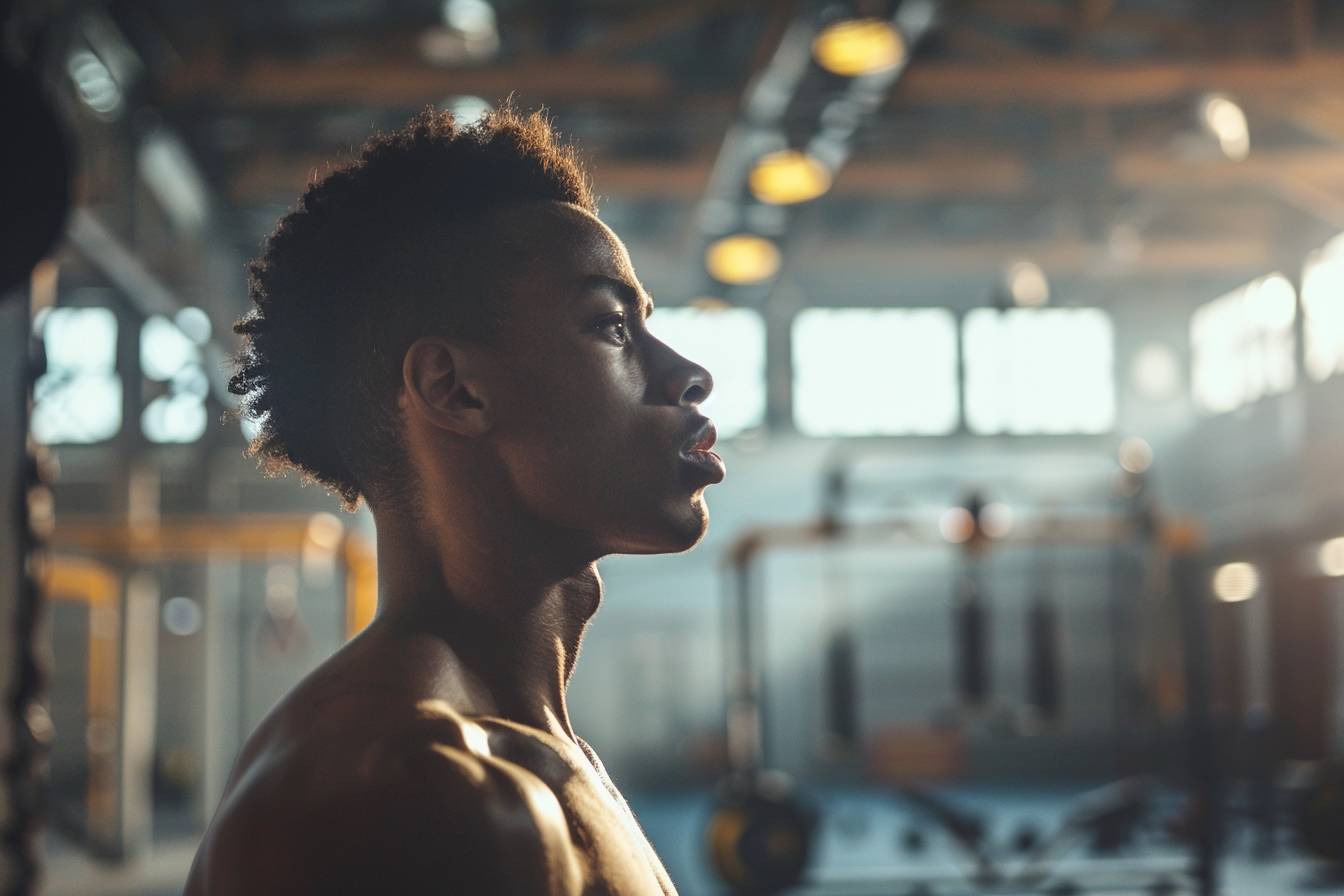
(78, 399)
(1323, 310)
(1242, 345)
(1039, 370)
(730, 344)
(170, 352)
(871, 371)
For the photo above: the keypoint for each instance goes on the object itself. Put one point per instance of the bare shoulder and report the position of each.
(420, 807)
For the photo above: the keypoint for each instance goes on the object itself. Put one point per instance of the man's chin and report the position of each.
(696, 525)
(676, 533)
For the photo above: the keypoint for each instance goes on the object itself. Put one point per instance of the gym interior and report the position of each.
(1026, 323)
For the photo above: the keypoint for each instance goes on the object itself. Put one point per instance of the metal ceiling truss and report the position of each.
(769, 121)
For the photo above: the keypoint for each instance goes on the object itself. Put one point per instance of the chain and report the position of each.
(25, 767)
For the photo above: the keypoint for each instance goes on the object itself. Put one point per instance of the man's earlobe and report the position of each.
(438, 386)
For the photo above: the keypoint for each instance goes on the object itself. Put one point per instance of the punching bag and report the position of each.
(842, 698)
(35, 185)
(970, 624)
(1043, 682)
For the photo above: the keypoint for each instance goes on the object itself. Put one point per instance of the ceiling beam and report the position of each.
(1320, 114)
(1079, 82)
(1069, 81)
(1036, 13)
(648, 25)
(1155, 170)
(1190, 256)
(1303, 24)
(271, 177)
(289, 82)
(1323, 202)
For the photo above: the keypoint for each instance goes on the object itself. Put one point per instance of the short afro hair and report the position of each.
(377, 253)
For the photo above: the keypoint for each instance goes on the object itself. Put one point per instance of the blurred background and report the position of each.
(1025, 318)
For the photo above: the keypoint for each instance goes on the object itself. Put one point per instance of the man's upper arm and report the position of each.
(428, 817)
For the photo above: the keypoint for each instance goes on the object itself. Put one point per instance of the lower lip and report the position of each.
(707, 461)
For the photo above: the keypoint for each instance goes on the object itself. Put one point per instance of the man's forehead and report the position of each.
(559, 234)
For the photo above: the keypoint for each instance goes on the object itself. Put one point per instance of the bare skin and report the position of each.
(434, 752)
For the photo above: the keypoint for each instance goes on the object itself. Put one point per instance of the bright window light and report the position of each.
(1046, 370)
(1323, 310)
(164, 348)
(250, 426)
(730, 344)
(73, 408)
(170, 352)
(875, 371)
(1155, 371)
(80, 339)
(78, 399)
(1242, 345)
(194, 323)
(466, 109)
(174, 418)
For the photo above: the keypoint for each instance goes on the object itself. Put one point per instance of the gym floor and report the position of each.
(861, 849)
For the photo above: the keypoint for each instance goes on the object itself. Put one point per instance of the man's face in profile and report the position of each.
(591, 413)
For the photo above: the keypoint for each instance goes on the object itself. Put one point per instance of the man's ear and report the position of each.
(439, 383)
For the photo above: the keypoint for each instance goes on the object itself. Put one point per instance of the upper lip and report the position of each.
(702, 439)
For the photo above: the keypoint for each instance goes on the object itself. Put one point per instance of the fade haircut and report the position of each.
(377, 253)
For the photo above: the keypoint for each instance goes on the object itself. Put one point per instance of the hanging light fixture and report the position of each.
(788, 177)
(855, 47)
(742, 258)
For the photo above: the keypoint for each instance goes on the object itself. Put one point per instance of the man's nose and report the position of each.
(688, 383)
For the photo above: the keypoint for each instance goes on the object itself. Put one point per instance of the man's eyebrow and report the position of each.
(629, 295)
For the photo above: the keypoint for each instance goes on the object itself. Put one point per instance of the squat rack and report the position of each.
(1179, 543)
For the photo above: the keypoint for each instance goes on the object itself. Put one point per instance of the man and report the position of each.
(445, 330)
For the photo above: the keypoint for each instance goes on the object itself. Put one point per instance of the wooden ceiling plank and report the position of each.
(1071, 81)
(271, 176)
(1065, 81)
(271, 81)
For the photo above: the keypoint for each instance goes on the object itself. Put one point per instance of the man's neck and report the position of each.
(512, 615)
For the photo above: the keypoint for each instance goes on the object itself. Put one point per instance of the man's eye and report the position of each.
(616, 324)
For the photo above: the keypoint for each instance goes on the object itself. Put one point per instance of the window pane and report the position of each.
(74, 407)
(80, 339)
(1048, 370)
(164, 348)
(730, 344)
(174, 418)
(1323, 310)
(1242, 345)
(78, 399)
(870, 371)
